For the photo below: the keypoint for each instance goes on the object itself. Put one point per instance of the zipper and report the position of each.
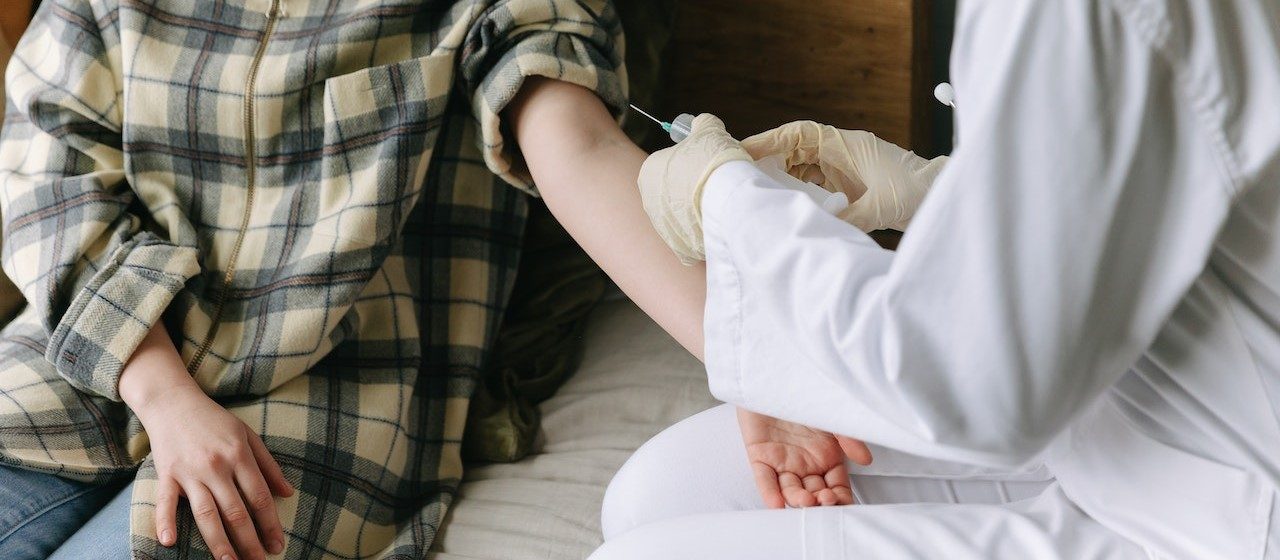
(251, 169)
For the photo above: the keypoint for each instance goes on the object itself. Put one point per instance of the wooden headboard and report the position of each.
(13, 19)
(858, 64)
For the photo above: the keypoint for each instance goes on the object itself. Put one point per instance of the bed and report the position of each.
(634, 380)
(862, 64)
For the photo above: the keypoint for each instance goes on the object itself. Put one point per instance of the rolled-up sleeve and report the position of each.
(74, 235)
(579, 42)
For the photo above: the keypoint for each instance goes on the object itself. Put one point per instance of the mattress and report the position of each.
(634, 381)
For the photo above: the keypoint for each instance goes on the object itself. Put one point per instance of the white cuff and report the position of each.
(728, 200)
(717, 194)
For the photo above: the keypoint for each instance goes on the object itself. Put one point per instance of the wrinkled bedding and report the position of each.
(634, 381)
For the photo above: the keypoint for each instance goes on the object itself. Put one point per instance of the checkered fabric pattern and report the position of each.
(313, 196)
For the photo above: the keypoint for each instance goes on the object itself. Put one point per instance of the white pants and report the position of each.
(689, 493)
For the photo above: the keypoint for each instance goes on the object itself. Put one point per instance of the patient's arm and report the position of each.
(586, 169)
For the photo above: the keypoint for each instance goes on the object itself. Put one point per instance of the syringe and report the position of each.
(774, 166)
(679, 129)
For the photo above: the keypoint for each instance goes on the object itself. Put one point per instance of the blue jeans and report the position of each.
(38, 512)
(105, 537)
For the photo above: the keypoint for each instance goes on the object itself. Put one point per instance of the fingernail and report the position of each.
(227, 557)
(166, 537)
(276, 546)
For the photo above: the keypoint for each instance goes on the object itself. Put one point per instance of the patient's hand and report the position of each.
(796, 465)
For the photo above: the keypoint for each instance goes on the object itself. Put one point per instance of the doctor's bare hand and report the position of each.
(212, 458)
(796, 465)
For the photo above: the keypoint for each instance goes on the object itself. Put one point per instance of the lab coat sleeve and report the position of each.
(1068, 225)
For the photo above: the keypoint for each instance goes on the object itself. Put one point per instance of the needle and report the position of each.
(664, 125)
(679, 129)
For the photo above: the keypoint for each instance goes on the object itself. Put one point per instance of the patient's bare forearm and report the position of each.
(154, 369)
(586, 169)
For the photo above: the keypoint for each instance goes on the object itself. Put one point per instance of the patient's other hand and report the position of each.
(796, 465)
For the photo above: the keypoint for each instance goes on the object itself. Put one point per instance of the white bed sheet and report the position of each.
(634, 381)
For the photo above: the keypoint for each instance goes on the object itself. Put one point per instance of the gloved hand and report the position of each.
(886, 182)
(671, 183)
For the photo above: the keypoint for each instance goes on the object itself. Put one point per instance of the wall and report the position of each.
(759, 64)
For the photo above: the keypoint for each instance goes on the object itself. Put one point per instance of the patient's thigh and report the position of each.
(700, 466)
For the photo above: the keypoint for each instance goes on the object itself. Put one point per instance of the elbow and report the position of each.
(1020, 446)
(1008, 451)
(998, 412)
(577, 120)
(987, 414)
(1003, 439)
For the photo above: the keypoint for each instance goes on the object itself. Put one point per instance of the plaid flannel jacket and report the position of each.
(311, 194)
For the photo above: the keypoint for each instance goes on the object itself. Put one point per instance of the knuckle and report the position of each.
(236, 516)
(214, 460)
(205, 511)
(164, 492)
(261, 501)
(240, 449)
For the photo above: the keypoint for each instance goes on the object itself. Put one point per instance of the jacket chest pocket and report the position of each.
(381, 127)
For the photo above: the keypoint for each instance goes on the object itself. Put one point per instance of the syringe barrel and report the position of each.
(681, 127)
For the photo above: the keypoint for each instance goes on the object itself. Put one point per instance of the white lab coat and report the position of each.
(1094, 280)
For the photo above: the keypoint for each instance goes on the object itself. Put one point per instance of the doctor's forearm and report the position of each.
(586, 169)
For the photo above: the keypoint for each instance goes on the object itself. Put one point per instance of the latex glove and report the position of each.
(886, 182)
(671, 183)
